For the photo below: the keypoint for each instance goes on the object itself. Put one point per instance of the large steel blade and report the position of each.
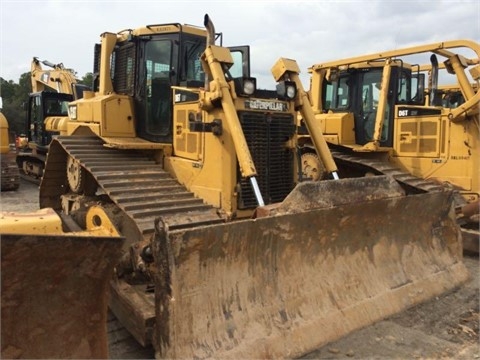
(280, 286)
(54, 295)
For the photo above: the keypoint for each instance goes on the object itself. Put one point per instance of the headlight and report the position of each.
(286, 90)
(72, 112)
(291, 91)
(249, 86)
(245, 86)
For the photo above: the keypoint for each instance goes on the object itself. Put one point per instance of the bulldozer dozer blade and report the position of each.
(54, 295)
(281, 286)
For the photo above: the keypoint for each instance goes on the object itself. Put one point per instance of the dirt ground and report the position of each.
(443, 328)
(446, 327)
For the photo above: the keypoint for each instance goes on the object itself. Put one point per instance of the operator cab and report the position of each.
(40, 106)
(149, 62)
(78, 90)
(358, 90)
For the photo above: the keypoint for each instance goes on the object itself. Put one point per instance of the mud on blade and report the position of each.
(281, 286)
(54, 295)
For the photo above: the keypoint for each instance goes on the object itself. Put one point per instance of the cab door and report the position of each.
(155, 100)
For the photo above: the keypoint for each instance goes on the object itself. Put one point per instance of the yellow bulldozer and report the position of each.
(52, 89)
(10, 176)
(227, 252)
(383, 113)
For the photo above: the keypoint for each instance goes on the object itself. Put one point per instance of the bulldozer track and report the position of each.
(30, 179)
(414, 184)
(404, 178)
(10, 178)
(139, 186)
(29, 157)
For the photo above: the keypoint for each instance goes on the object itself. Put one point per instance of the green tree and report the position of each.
(14, 97)
(87, 79)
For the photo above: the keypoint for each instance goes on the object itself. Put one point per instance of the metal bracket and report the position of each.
(215, 127)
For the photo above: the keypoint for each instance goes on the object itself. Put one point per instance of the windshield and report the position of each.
(56, 107)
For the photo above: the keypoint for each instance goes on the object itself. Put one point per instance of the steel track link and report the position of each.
(385, 168)
(139, 186)
(468, 228)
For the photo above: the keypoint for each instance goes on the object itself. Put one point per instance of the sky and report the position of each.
(310, 32)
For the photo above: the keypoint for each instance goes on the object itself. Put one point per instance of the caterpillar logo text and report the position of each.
(266, 105)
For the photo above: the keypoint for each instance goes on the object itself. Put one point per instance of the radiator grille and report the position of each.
(267, 136)
(423, 137)
(123, 67)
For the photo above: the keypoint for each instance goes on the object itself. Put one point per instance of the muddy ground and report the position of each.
(446, 327)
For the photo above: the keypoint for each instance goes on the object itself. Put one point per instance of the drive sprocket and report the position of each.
(312, 167)
(75, 175)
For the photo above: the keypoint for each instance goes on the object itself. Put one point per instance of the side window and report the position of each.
(370, 97)
(236, 69)
(327, 96)
(56, 107)
(157, 64)
(404, 87)
(193, 64)
(342, 94)
(158, 59)
(452, 99)
(371, 85)
(417, 89)
(241, 61)
(36, 117)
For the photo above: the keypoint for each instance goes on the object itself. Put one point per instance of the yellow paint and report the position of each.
(42, 222)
